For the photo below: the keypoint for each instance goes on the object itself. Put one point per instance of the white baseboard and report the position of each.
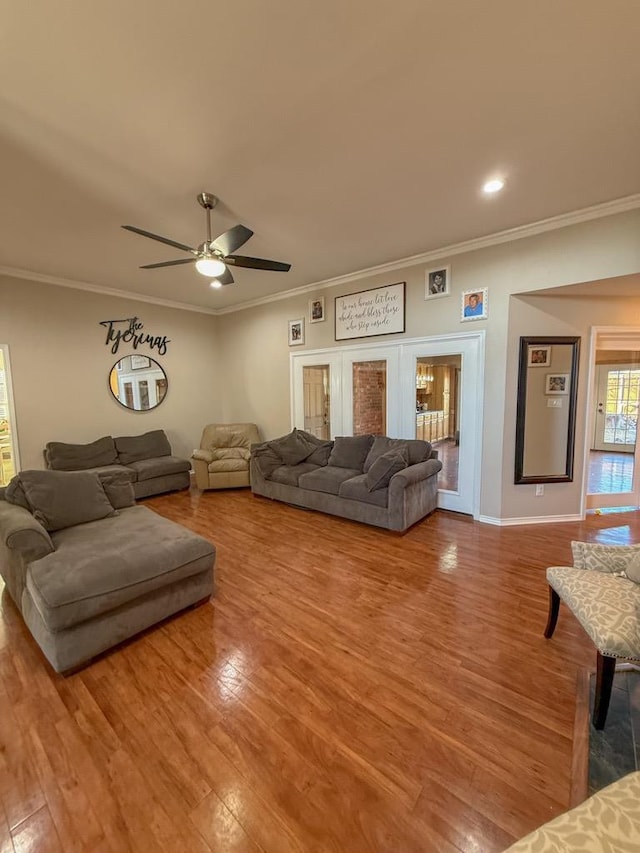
(538, 519)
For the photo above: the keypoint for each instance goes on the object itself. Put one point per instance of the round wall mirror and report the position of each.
(138, 382)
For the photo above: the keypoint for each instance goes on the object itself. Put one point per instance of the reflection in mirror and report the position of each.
(138, 382)
(546, 415)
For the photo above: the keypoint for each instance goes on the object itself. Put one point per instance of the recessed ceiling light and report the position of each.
(215, 284)
(493, 186)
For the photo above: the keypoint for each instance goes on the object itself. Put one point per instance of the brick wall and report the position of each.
(370, 397)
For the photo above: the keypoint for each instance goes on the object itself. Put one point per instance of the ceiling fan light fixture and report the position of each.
(210, 267)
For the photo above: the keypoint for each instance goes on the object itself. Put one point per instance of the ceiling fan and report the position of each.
(214, 257)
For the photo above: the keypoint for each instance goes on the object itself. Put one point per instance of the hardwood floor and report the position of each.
(347, 689)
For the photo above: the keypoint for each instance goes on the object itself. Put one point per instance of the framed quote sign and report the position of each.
(380, 311)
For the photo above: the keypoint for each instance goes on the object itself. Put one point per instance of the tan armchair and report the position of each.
(222, 462)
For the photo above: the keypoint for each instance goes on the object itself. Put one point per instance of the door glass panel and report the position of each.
(369, 397)
(437, 412)
(622, 407)
(317, 413)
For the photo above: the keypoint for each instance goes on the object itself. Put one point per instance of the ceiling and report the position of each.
(344, 134)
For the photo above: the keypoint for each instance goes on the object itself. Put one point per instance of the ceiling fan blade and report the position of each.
(225, 278)
(232, 239)
(167, 264)
(159, 238)
(256, 263)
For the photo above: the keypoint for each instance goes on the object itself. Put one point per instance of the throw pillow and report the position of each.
(61, 499)
(14, 493)
(385, 466)
(321, 454)
(292, 448)
(350, 451)
(118, 487)
(267, 460)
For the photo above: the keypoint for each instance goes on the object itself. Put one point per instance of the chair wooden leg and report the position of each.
(554, 607)
(604, 683)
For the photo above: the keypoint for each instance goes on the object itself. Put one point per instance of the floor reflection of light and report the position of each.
(448, 560)
(230, 675)
(616, 535)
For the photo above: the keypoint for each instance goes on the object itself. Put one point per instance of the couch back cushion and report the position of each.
(150, 445)
(77, 457)
(380, 473)
(294, 447)
(60, 499)
(266, 459)
(417, 450)
(350, 451)
(229, 435)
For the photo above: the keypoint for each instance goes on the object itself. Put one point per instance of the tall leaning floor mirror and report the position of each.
(546, 412)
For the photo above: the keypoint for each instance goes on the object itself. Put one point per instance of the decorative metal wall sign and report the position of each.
(129, 331)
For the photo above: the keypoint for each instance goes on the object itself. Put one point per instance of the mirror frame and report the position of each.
(521, 413)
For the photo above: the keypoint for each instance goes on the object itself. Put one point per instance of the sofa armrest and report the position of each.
(22, 534)
(203, 455)
(415, 473)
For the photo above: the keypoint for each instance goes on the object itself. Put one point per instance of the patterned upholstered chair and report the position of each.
(608, 821)
(602, 590)
(222, 460)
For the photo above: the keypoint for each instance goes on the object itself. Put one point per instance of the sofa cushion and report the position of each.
(350, 451)
(133, 448)
(356, 489)
(321, 454)
(159, 466)
(60, 499)
(289, 475)
(230, 453)
(266, 459)
(326, 479)
(77, 457)
(229, 465)
(101, 565)
(293, 447)
(118, 486)
(385, 466)
(417, 450)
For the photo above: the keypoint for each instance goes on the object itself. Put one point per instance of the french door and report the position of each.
(9, 463)
(373, 389)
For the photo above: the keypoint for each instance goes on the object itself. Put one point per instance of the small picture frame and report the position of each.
(138, 362)
(437, 282)
(296, 332)
(538, 356)
(316, 310)
(556, 383)
(474, 304)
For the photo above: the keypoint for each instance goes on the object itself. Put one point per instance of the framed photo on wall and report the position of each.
(296, 332)
(316, 310)
(437, 282)
(474, 304)
(556, 383)
(538, 356)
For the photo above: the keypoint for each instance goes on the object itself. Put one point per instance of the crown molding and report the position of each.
(553, 223)
(98, 288)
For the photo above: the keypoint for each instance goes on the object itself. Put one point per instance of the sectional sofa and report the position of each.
(147, 458)
(386, 482)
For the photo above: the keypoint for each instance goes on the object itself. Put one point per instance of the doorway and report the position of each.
(613, 478)
(317, 402)
(8, 446)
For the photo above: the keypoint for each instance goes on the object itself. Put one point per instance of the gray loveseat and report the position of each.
(382, 481)
(87, 568)
(146, 457)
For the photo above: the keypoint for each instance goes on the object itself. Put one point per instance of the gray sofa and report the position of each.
(87, 568)
(386, 482)
(146, 457)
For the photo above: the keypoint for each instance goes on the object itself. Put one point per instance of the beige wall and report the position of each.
(254, 341)
(60, 368)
